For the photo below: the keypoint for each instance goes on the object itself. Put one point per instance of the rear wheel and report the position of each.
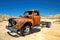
(25, 30)
(45, 24)
(48, 24)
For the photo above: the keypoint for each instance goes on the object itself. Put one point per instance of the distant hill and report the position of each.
(57, 16)
(4, 17)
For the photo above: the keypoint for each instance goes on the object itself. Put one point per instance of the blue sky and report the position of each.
(17, 7)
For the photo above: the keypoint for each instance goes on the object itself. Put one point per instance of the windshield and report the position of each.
(28, 13)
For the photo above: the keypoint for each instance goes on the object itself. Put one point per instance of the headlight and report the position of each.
(12, 22)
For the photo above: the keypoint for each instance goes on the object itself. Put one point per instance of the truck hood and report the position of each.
(21, 20)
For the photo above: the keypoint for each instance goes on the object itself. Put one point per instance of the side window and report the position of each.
(36, 13)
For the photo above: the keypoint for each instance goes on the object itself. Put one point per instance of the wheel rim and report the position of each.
(27, 30)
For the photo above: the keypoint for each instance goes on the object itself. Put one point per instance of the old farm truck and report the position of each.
(25, 23)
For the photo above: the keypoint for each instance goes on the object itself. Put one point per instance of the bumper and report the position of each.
(12, 29)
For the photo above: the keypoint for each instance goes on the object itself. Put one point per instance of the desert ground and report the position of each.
(52, 33)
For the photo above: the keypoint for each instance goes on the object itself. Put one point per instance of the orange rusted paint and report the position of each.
(32, 18)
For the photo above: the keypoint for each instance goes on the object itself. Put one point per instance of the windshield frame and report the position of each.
(27, 12)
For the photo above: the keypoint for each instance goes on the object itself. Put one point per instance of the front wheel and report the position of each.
(25, 30)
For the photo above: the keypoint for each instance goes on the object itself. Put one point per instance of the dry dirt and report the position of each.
(52, 33)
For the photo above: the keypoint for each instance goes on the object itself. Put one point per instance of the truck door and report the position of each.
(36, 18)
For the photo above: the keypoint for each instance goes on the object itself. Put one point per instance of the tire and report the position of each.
(48, 24)
(25, 30)
(42, 24)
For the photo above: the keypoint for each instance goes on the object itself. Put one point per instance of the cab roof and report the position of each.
(33, 10)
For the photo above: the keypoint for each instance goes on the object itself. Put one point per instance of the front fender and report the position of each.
(20, 24)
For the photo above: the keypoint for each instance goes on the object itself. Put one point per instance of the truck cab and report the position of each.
(34, 16)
